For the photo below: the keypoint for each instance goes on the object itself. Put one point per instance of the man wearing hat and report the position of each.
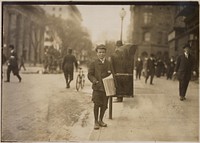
(150, 69)
(99, 69)
(13, 64)
(183, 70)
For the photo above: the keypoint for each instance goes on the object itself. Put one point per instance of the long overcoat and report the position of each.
(151, 66)
(68, 63)
(184, 67)
(13, 63)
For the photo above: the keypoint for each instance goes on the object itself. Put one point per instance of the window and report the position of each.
(147, 18)
(147, 36)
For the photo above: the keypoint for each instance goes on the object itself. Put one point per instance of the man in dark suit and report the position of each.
(13, 65)
(170, 65)
(183, 70)
(99, 69)
(68, 67)
(150, 69)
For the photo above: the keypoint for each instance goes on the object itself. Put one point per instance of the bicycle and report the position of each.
(80, 80)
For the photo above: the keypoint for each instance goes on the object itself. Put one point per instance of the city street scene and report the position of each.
(88, 71)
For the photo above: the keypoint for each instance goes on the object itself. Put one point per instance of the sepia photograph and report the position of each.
(99, 71)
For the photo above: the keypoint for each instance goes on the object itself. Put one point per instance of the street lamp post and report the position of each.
(122, 15)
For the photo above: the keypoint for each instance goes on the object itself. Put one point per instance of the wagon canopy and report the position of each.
(123, 65)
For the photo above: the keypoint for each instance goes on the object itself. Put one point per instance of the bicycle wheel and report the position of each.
(78, 82)
(83, 81)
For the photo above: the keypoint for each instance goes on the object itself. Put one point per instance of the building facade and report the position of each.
(185, 30)
(63, 13)
(150, 28)
(23, 27)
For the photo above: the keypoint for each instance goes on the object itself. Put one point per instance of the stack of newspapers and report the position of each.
(109, 86)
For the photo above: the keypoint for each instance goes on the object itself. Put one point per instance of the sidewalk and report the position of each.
(154, 114)
(29, 69)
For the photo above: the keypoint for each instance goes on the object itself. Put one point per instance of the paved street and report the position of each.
(42, 109)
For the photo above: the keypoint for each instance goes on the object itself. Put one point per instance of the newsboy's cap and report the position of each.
(101, 46)
(11, 46)
(151, 55)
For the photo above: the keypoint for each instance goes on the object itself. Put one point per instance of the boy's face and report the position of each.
(101, 53)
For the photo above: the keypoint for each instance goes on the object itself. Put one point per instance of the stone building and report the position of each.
(185, 30)
(150, 28)
(23, 27)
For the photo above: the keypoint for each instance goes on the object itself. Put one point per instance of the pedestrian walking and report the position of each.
(13, 65)
(159, 68)
(3, 61)
(22, 63)
(3, 58)
(99, 69)
(144, 71)
(68, 67)
(150, 69)
(183, 70)
(138, 67)
(170, 65)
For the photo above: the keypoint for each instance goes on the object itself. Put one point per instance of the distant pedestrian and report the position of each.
(144, 71)
(159, 67)
(3, 58)
(150, 69)
(183, 70)
(99, 69)
(138, 68)
(22, 62)
(170, 65)
(3, 61)
(13, 65)
(68, 67)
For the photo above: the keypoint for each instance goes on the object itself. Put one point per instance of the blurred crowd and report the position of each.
(52, 61)
(162, 67)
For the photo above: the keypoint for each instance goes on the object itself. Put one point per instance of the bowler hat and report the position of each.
(151, 55)
(187, 46)
(11, 46)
